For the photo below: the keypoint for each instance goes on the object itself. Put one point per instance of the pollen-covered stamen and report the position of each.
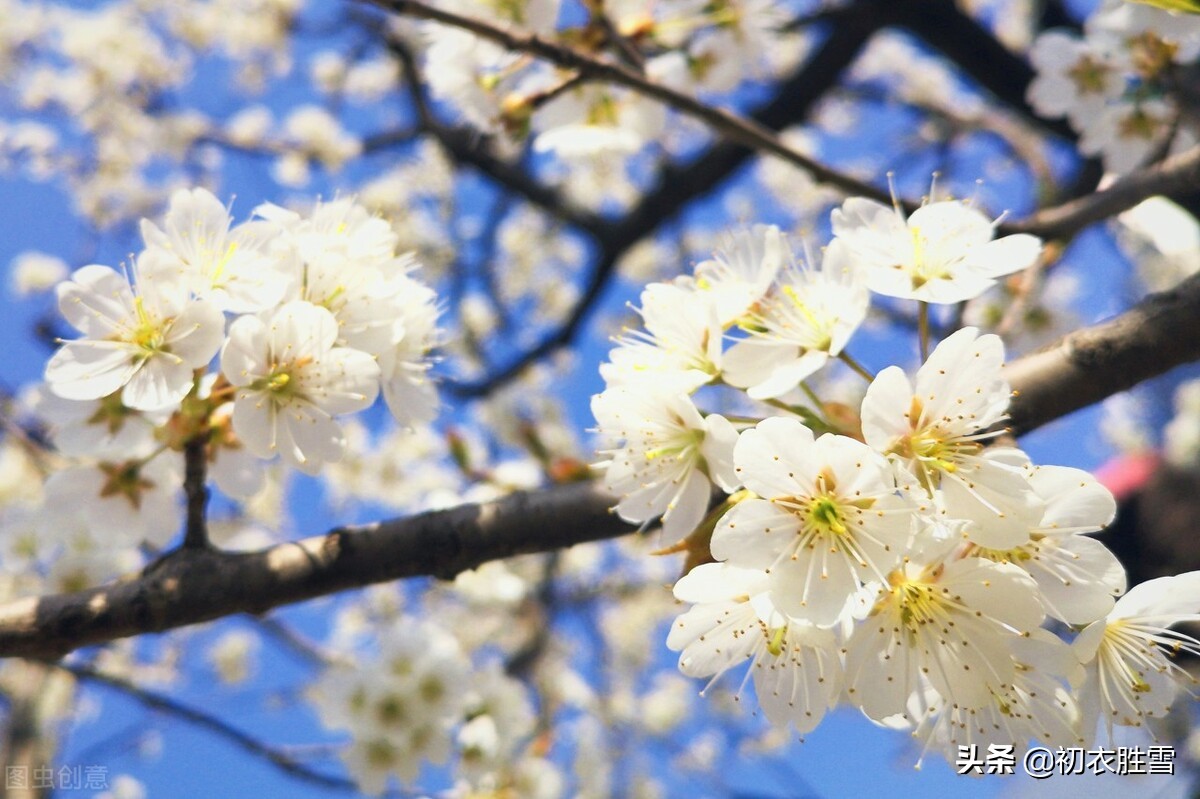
(1017, 555)
(1132, 649)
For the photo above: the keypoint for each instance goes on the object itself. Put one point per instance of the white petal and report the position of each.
(86, 369)
(162, 382)
(753, 534)
(245, 355)
(197, 333)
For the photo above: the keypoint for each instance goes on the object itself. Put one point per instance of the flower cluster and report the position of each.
(592, 129)
(896, 558)
(1116, 84)
(410, 707)
(309, 317)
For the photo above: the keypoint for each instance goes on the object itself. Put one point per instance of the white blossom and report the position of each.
(794, 665)
(953, 623)
(145, 340)
(292, 381)
(231, 268)
(1129, 674)
(808, 318)
(668, 457)
(829, 518)
(943, 253)
(680, 346)
(935, 431)
(1078, 577)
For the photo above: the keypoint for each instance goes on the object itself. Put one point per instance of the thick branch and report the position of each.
(200, 585)
(195, 585)
(1096, 362)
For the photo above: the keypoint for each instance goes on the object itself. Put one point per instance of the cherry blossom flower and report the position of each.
(830, 518)
(231, 268)
(953, 623)
(1129, 676)
(1078, 577)
(343, 259)
(943, 253)
(680, 346)
(145, 341)
(807, 319)
(1037, 706)
(1075, 78)
(401, 711)
(794, 665)
(935, 431)
(741, 272)
(669, 456)
(292, 381)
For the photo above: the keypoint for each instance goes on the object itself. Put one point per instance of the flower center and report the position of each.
(147, 336)
(825, 513)
(1088, 75)
(915, 603)
(282, 382)
(923, 270)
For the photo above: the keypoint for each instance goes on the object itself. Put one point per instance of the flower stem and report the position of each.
(812, 395)
(856, 366)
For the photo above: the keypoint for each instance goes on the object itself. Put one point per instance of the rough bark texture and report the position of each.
(195, 585)
(1096, 362)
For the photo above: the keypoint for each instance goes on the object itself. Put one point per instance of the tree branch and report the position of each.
(730, 126)
(192, 586)
(1096, 362)
(247, 743)
(1177, 175)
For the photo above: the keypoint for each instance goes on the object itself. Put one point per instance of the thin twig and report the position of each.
(278, 757)
(731, 126)
(1176, 175)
